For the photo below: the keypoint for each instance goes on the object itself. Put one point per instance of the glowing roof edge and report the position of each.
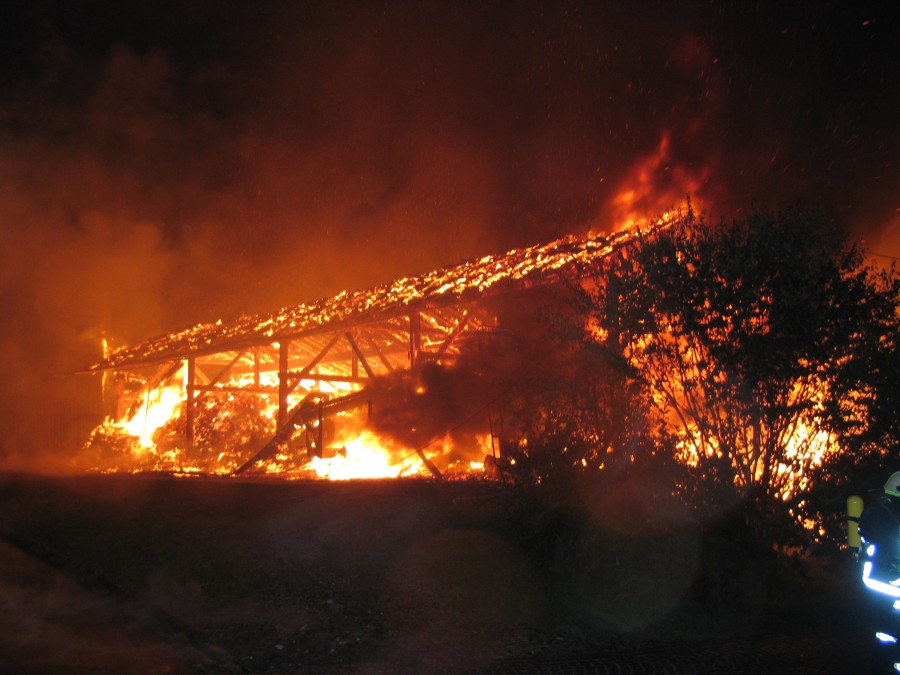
(517, 269)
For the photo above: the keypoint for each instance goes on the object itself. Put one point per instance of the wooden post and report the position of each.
(360, 358)
(282, 381)
(122, 400)
(415, 338)
(189, 405)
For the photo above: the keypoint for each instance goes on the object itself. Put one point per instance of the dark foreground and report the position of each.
(131, 574)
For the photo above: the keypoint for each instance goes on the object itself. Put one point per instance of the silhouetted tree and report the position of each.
(756, 342)
(868, 419)
(583, 421)
(566, 415)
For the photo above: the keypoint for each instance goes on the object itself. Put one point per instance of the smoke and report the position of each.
(171, 165)
(486, 381)
(65, 289)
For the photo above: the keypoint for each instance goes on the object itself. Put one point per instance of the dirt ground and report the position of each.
(151, 574)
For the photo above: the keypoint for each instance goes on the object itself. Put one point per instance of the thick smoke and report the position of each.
(484, 386)
(173, 164)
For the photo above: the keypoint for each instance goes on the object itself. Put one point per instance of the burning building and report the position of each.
(310, 390)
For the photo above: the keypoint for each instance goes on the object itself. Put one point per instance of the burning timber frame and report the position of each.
(348, 340)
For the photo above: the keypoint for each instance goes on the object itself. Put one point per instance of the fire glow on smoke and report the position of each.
(231, 423)
(236, 414)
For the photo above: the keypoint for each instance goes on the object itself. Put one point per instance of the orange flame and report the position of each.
(154, 436)
(654, 186)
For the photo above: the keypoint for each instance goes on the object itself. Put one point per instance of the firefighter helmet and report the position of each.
(892, 487)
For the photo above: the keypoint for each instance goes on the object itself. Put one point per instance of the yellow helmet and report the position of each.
(892, 487)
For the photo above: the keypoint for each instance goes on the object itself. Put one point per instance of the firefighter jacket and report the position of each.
(879, 526)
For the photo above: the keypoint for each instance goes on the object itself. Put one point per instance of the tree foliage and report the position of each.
(763, 345)
(584, 421)
(568, 416)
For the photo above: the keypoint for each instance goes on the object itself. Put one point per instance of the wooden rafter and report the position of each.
(370, 342)
(359, 354)
(227, 368)
(463, 322)
(305, 372)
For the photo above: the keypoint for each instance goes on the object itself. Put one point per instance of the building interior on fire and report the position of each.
(336, 387)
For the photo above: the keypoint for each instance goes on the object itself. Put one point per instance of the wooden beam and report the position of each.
(227, 368)
(429, 464)
(253, 389)
(445, 345)
(374, 347)
(415, 338)
(189, 405)
(283, 362)
(323, 377)
(359, 354)
(310, 408)
(304, 374)
(163, 373)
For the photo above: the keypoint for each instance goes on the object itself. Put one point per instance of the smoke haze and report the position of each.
(163, 165)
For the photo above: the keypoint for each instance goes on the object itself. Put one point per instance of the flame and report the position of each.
(367, 456)
(160, 406)
(356, 452)
(656, 184)
(234, 415)
(806, 447)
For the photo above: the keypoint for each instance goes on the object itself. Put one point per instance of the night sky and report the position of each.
(166, 163)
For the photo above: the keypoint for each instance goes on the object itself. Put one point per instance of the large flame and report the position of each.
(160, 406)
(367, 456)
(233, 415)
(657, 184)
(143, 441)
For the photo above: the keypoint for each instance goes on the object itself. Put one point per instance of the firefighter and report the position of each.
(879, 558)
(879, 526)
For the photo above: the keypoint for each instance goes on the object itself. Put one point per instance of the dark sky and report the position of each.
(165, 163)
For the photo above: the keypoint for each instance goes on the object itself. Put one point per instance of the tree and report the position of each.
(752, 339)
(581, 421)
(866, 417)
(566, 415)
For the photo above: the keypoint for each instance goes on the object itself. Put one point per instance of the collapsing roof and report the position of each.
(517, 269)
(297, 384)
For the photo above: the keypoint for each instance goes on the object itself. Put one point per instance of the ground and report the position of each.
(153, 574)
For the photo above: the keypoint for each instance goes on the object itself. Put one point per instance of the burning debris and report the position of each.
(374, 383)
